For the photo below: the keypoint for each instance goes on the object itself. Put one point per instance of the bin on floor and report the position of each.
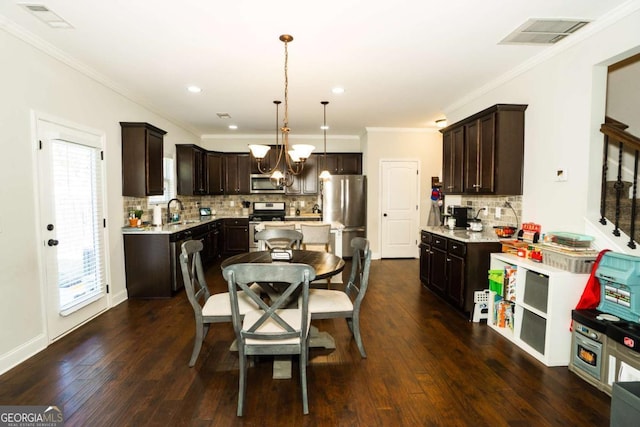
(625, 404)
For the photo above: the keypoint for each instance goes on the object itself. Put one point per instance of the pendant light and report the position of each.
(325, 175)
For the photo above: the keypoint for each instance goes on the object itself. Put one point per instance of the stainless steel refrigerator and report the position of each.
(344, 199)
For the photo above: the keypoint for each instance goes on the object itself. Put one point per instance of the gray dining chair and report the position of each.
(274, 329)
(279, 238)
(316, 237)
(207, 308)
(290, 226)
(330, 304)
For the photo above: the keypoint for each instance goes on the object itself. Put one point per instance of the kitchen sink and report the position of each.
(184, 222)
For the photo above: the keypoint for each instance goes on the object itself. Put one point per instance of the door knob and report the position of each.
(384, 215)
(52, 242)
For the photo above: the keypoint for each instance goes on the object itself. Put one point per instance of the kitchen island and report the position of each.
(152, 254)
(455, 263)
(336, 238)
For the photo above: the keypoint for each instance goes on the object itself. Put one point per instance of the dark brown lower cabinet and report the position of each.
(148, 266)
(454, 269)
(236, 235)
(152, 260)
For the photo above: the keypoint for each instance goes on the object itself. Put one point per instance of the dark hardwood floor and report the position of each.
(426, 366)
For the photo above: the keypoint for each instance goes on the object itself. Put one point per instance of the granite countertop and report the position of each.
(335, 225)
(169, 228)
(486, 235)
(304, 217)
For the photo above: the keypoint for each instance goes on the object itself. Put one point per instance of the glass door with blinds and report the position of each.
(72, 225)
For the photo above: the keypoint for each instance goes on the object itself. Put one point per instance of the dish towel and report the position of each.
(591, 295)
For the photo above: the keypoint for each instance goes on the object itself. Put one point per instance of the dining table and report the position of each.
(325, 265)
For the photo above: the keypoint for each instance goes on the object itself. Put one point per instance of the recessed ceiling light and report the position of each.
(233, 127)
(323, 127)
(194, 89)
(441, 123)
(337, 90)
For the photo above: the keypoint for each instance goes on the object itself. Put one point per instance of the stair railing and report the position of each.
(615, 132)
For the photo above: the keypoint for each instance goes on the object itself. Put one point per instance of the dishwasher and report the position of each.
(175, 246)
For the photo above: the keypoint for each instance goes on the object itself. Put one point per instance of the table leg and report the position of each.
(321, 339)
(282, 367)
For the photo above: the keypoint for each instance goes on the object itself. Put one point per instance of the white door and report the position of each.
(70, 185)
(400, 193)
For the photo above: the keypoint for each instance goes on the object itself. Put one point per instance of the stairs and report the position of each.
(616, 206)
(624, 220)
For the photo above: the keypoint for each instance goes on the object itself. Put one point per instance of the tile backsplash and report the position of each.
(220, 204)
(508, 215)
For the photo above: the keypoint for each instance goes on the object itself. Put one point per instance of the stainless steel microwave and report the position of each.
(262, 184)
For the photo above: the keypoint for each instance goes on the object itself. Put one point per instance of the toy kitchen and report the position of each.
(605, 344)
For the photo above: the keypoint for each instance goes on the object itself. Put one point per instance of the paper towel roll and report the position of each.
(157, 215)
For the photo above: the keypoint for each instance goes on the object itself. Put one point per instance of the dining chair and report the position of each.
(316, 237)
(279, 238)
(274, 329)
(330, 304)
(290, 226)
(207, 308)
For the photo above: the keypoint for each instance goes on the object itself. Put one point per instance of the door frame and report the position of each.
(380, 200)
(36, 117)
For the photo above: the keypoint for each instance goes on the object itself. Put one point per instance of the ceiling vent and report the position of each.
(223, 115)
(46, 15)
(543, 31)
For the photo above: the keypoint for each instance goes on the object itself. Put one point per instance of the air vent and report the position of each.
(223, 115)
(543, 31)
(46, 15)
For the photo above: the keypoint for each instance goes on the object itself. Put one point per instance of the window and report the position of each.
(169, 184)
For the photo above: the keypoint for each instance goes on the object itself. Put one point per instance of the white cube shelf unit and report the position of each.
(544, 298)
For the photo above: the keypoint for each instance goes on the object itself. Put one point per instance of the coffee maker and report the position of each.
(460, 214)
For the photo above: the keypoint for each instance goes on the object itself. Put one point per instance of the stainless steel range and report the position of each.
(263, 211)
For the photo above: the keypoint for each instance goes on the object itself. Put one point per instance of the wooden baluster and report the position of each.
(618, 186)
(603, 187)
(632, 243)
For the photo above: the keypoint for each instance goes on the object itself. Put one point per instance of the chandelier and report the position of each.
(289, 160)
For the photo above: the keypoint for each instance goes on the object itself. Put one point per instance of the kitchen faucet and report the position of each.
(169, 208)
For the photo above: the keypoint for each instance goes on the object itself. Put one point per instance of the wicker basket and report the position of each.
(580, 263)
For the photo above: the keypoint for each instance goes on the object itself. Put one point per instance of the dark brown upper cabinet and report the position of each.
(142, 159)
(267, 163)
(214, 173)
(484, 153)
(237, 173)
(191, 164)
(452, 160)
(341, 163)
(306, 183)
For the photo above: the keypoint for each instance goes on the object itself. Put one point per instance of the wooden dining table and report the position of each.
(325, 264)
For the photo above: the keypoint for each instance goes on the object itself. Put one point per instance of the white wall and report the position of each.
(399, 144)
(566, 98)
(623, 95)
(31, 80)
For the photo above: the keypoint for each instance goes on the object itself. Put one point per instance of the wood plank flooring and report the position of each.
(426, 366)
